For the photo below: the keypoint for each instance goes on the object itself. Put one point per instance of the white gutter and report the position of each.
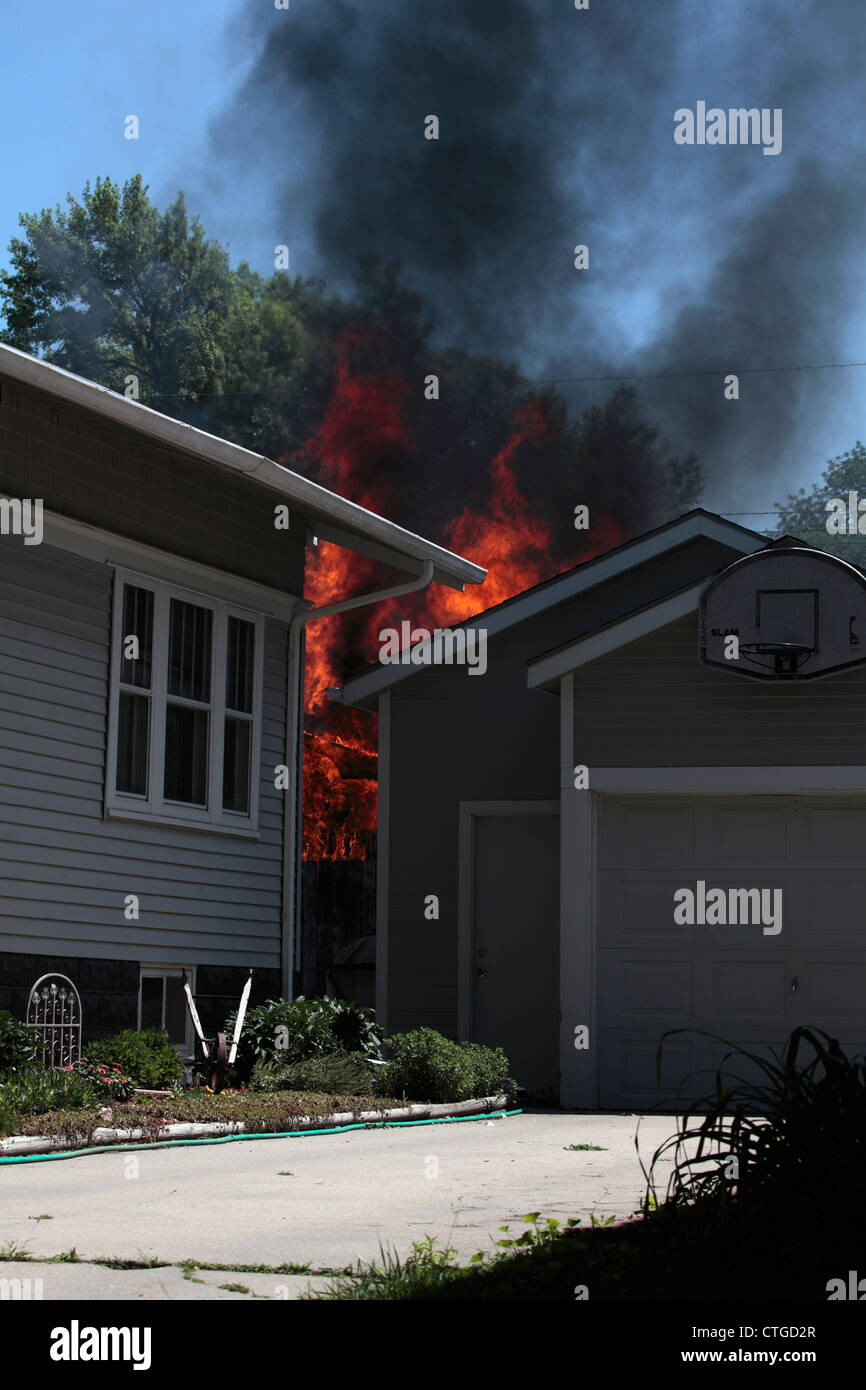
(295, 756)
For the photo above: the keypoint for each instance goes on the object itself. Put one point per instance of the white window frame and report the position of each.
(176, 972)
(154, 807)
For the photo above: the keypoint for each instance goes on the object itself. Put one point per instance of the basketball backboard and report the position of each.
(796, 613)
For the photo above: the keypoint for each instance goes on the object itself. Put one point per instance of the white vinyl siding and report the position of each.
(65, 868)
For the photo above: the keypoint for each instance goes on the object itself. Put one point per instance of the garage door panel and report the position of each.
(641, 835)
(750, 835)
(832, 988)
(748, 987)
(834, 832)
(646, 906)
(648, 989)
(628, 1067)
(742, 1067)
(836, 909)
(733, 981)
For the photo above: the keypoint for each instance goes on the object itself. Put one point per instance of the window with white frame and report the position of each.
(185, 706)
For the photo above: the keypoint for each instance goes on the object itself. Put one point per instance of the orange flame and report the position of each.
(365, 419)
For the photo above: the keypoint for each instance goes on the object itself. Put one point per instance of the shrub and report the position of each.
(424, 1066)
(335, 1073)
(18, 1043)
(108, 1081)
(312, 1028)
(797, 1133)
(149, 1057)
(34, 1091)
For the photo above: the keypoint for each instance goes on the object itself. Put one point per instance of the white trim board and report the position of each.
(383, 859)
(365, 686)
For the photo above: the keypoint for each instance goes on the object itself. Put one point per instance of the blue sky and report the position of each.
(699, 259)
(72, 73)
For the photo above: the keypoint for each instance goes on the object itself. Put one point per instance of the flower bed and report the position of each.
(227, 1114)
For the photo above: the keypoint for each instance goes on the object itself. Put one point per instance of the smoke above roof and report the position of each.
(556, 128)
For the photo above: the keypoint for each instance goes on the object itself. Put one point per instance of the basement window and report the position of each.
(185, 707)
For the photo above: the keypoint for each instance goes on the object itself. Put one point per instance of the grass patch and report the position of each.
(13, 1251)
(249, 1269)
(585, 1148)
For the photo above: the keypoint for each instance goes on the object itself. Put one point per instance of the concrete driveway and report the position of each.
(326, 1201)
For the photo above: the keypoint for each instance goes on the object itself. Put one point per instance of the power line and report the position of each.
(716, 371)
(559, 380)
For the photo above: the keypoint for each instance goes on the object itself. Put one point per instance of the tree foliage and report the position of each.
(804, 514)
(112, 288)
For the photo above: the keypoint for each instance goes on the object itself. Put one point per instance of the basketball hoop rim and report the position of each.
(778, 648)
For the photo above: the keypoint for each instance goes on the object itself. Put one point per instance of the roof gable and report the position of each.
(365, 687)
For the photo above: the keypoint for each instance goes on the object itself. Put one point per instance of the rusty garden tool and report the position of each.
(215, 1050)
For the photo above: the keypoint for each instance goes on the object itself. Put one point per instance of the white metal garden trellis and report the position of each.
(54, 1009)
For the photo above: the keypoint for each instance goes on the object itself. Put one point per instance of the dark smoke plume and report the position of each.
(556, 128)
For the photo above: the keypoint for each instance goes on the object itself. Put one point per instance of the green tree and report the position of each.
(804, 514)
(111, 287)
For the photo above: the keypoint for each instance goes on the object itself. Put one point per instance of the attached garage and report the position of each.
(694, 705)
(745, 984)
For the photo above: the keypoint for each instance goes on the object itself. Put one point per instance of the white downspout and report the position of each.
(295, 754)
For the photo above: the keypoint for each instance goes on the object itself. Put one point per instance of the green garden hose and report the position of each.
(233, 1138)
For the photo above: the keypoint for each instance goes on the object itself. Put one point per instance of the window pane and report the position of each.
(186, 748)
(137, 622)
(132, 725)
(239, 665)
(151, 1001)
(236, 765)
(189, 648)
(175, 1009)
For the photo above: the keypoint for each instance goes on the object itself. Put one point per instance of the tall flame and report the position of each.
(366, 418)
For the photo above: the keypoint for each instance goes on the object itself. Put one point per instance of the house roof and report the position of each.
(545, 670)
(329, 516)
(365, 687)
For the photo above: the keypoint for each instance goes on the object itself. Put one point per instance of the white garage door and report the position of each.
(732, 980)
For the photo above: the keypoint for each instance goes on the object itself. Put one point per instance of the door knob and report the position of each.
(794, 985)
(482, 974)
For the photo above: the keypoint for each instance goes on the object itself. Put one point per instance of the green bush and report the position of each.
(335, 1073)
(18, 1043)
(34, 1091)
(149, 1057)
(425, 1066)
(286, 1031)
